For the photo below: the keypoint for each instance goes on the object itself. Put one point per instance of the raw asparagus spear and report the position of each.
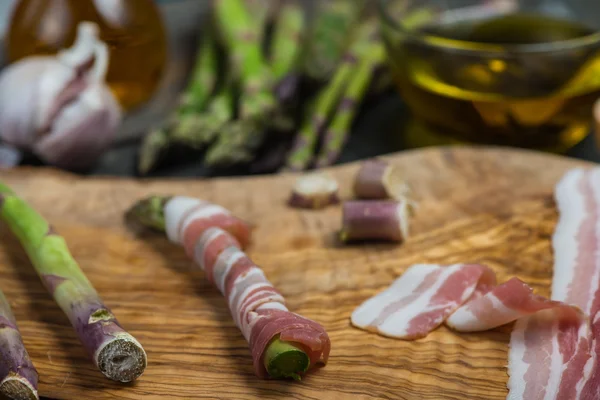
(286, 48)
(193, 101)
(18, 376)
(242, 35)
(336, 134)
(281, 359)
(115, 352)
(154, 145)
(203, 80)
(330, 35)
(236, 143)
(197, 130)
(242, 39)
(199, 116)
(302, 152)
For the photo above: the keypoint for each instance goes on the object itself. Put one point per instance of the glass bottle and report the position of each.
(133, 30)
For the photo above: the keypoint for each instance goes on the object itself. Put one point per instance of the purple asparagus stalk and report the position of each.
(377, 179)
(329, 99)
(371, 55)
(116, 353)
(18, 376)
(375, 220)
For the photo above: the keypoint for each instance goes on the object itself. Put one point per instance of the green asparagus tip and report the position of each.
(149, 212)
(285, 360)
(154, 145)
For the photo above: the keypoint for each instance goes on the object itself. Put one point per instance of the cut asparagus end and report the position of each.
(377, 179)
(122, 359)
(285, 360)
(385, 220)
(314, 191)
(17, 387)
(149, 212)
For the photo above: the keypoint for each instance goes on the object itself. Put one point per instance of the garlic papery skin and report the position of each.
(59, 107)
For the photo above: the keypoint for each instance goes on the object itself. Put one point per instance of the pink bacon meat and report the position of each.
(463, 296)
(257, 308)
(555, 343)
(573, 371)
(186, 219)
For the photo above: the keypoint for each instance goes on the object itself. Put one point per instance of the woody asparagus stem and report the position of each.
(18, 376)
(116, 353)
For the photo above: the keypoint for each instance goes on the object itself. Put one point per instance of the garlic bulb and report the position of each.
(59, 107)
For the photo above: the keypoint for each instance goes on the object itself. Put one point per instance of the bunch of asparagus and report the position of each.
(272, 72)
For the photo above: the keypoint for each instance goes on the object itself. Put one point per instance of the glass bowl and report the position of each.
(521, 73)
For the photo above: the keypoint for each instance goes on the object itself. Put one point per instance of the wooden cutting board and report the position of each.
(484, 205)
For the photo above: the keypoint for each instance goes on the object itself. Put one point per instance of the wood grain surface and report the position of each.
(493, 206)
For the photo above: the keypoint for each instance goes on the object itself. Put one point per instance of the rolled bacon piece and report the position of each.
(375, 220)
(257, 308)
(378, 179)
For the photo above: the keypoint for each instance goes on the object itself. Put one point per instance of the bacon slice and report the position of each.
(548, 354)
(555, 343)
(464, 296)
(256, 306)
(573, 371)
(421, 299)
(503, 304)
(187, 218)
(550, 344)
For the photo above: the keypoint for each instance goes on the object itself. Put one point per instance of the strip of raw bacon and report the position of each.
(467, 299)
(257, 308)
(464, 296)
(503, 304)
(421, 299)
(576, 242)
(186, 219)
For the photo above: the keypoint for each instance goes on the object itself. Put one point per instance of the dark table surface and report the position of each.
(371, 136)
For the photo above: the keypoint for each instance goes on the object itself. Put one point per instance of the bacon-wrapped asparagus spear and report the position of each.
(283, 344)
(184, 219)
(18, 376)
(115, 352)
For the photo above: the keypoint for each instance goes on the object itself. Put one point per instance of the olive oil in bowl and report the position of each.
(517, 79)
